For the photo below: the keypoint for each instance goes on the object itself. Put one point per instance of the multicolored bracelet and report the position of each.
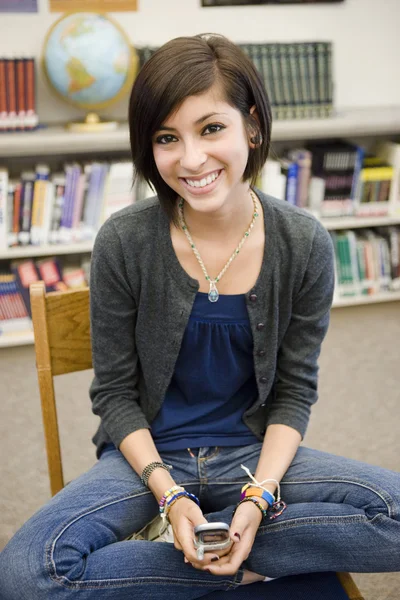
(251, 490)
(171, 496)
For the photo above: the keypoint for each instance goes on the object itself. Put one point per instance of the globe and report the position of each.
(88, 60)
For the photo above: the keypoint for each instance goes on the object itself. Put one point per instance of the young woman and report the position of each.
(209, 304)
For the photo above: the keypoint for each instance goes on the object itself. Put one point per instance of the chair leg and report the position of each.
(349, 586)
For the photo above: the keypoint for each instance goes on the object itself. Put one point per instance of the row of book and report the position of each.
(15, 307)
(65, 207)
(367, 261)
(336, 179)
(297, 76)
(17, 94)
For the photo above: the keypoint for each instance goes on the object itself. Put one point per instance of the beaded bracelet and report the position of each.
(171, 496)
(256, 502)
(147, 471)
(170, 492)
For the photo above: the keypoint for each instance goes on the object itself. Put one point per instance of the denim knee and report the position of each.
(23, 572)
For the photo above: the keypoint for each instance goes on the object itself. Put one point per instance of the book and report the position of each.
(390, 152)
(303, 158)
(4, 209)
(25, 272)
(335, 162)
(373, 190)
(28, 181)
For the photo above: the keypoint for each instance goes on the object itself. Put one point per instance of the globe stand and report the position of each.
(92, 123)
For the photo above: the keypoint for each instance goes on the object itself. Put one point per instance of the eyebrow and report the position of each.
(198, 122)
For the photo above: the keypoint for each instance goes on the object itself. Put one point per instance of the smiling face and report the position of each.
(201, 152)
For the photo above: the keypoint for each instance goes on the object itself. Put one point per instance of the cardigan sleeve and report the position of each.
(296, 381)
(114, 390)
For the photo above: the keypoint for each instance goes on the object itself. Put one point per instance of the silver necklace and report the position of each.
(213, 294)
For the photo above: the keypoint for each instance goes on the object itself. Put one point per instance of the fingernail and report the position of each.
(214, 558)
(237, 535)
(186, 560)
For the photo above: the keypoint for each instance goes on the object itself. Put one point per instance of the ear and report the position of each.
(254, 135)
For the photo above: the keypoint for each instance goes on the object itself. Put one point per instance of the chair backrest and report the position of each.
(61, 328)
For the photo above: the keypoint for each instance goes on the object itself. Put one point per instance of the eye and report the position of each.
(213, 128)
(165, 139)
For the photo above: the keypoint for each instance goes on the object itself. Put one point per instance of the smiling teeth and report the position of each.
(203, 182)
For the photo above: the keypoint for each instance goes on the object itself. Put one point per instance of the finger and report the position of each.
(228, 565)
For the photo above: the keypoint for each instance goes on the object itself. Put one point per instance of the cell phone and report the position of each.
(211, 536)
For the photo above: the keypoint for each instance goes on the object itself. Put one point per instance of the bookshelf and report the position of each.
(55, 139)
(350, 122)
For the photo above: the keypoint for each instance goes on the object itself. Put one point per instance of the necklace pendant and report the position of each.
(213, 294)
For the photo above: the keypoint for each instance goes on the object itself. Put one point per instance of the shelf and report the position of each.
(46, 250)
(24, 338)
(356, 222)
(20, 338)
(344, 123)
(372, 299)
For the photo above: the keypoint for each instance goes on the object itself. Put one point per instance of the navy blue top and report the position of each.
(214, 380)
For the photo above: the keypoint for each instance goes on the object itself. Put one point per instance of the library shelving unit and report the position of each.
(56, 140)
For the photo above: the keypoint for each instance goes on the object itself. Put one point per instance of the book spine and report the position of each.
(3, 209)
(11, 238)
(277, 78)
(21, 92)
(304, 79)
(28, 180)
(286, 82)
(312, 75)
(320, 51)
(3, 95)
(329, 77)
(16, 212)
(31, 116)
(267, 75)
(39, 200)
(295, 81)
(292, 183)
(11, 94)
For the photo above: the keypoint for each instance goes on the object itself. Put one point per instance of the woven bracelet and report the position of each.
(147, 471)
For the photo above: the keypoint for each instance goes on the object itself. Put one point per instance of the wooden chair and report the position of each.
(61, 328)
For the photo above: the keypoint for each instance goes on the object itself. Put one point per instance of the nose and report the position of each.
(193, 157)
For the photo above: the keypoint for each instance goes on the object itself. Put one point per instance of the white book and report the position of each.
(3, 209)
(273, 182)
(118, 192)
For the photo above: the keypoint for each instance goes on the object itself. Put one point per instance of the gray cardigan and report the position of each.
(141, 299)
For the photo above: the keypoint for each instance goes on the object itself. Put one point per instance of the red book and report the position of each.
(11, 88)
(3, 95)
(21, 92)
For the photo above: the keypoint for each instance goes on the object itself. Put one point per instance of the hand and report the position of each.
(245, 522)
(184, 515)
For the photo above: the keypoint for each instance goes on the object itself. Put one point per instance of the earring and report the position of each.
(256, 139)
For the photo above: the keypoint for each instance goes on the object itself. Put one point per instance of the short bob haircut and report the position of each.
(188, 66)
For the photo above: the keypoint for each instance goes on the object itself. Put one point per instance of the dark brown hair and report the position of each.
(188, 66)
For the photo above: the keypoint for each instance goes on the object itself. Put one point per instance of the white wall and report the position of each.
(365, 34)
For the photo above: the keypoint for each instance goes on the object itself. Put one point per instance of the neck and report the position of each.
(230, 221)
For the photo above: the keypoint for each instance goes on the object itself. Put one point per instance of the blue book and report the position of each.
(292, 182)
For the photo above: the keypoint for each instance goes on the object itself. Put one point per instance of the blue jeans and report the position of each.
(342, 515)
